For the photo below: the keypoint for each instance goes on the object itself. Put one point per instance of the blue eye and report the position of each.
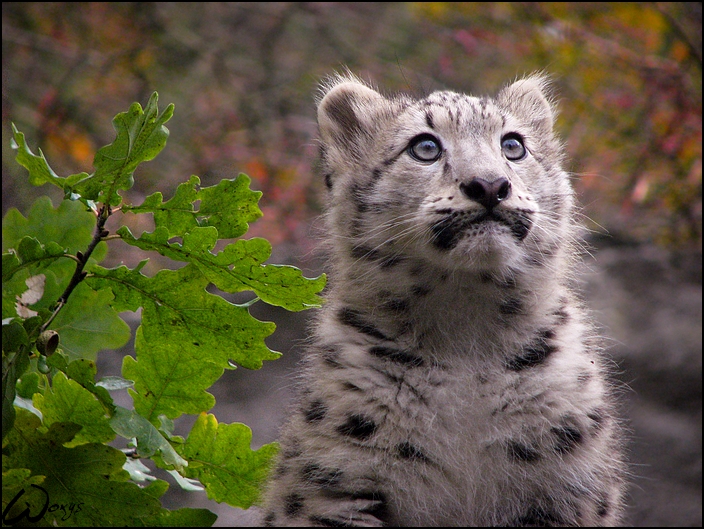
(425, 148)
(512, 147)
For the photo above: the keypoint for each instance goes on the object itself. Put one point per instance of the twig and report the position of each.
(79, 274)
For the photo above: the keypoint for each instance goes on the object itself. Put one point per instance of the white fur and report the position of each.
(453, 378)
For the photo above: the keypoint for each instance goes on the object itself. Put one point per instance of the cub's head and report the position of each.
(459, 182)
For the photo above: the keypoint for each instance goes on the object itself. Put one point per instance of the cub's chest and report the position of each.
(463, 408)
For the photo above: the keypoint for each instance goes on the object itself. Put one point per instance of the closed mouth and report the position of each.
(448, 231)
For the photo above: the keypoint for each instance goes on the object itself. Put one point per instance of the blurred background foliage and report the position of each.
(243, 77)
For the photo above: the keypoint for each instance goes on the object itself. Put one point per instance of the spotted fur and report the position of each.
(453, 378)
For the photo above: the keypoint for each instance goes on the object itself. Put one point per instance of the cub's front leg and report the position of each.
(324, 488)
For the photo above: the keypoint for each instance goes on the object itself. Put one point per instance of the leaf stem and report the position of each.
(82, 259)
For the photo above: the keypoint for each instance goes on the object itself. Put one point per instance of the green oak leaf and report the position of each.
(238, 267)
(34, 245)
(14, 365)
(228, 206)
(70, 225)
(10, 264)
(17, 288)
(15, 478)
(14, 336)
(88, 323)
(39, 171)
(169, 379)
(89, 476)
(130, 424)
(28, 385)
(67, 401)
(221, 458)
(141, 135)
(83, 371)
(12, 290)
(30, 252)
(178, 310)
(19, 481)
(177, 215)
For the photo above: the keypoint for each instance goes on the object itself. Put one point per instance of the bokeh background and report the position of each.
(243, 78)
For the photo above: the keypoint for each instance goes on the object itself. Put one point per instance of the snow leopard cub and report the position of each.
(453, 378)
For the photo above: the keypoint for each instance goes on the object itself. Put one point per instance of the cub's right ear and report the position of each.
(347, 111)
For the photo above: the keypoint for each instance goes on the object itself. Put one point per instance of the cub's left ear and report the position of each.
(529, 100)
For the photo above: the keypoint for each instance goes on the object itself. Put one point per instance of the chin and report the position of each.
(495, 252)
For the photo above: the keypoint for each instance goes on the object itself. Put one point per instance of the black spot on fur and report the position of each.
(584, 377)
(429, 120)
(396, 355)
(521, 452)
(501, 409)
(356, 227)
(486, 277)
(331, 356)
(602, 507)
(546, 334)
(562, 315)
(392, 160)
(538, 517)
(293, 505)
(535, 353)
(598, 418)
(535, 261)
(358, 426)
(446, 170)
(521, 227)
(390, 261)
(348, 386)
(406, 450)
(315, 474)
(567, 437)
(364, 252)
(446, 233)
(328, 180)
(359, 193)
(420, 291)
(511, 306)
(371, 254)
(324, 521)
(292, 451)
(270, 519)
(370, 495)
(508, 282)
(377, 506)
(396, 305)
(316, 411)
(354, 319)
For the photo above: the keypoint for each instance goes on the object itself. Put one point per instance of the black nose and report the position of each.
(488, 194)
